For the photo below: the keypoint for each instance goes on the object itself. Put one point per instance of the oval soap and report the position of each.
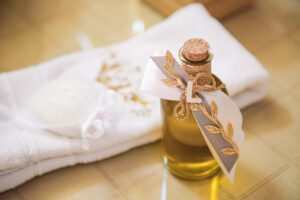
(64, 101)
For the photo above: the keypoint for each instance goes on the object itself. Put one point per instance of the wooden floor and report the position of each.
(269, 168)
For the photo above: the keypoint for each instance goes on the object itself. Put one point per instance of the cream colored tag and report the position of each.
(189, 94)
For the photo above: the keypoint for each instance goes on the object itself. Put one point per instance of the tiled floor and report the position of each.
(269, 168)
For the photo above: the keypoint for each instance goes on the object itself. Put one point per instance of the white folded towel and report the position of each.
(27, 151)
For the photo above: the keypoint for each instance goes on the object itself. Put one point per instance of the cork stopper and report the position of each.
(195, 49)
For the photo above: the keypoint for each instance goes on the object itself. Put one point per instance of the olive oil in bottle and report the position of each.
(186, 153)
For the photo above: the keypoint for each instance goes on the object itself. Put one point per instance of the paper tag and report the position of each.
(228, 112)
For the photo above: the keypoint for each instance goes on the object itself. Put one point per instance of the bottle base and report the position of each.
(192, 171)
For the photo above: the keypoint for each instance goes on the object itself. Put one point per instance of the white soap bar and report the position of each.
(64, 101)
(73, 108)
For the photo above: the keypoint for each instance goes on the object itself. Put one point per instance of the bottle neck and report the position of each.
(192, 67)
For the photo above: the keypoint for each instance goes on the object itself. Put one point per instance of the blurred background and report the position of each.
(33, 31)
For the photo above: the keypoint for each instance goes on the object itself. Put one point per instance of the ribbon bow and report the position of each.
(102, 118)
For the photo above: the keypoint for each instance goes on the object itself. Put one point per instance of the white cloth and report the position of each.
(28, 152)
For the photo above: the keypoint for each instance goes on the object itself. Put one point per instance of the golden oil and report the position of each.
(185, 151)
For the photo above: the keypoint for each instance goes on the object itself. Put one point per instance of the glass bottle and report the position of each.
(185, 151)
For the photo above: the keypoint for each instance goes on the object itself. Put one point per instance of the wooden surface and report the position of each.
(217, 8)
(269, 167)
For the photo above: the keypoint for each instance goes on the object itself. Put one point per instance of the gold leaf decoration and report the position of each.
(214, 109)
(218, 128)
(228, 151)
(212, 129)
(195, 107)
(229, 132)
(135, 98)
(170, 82)
(169, 61)
(104, 68)
(116, 88)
